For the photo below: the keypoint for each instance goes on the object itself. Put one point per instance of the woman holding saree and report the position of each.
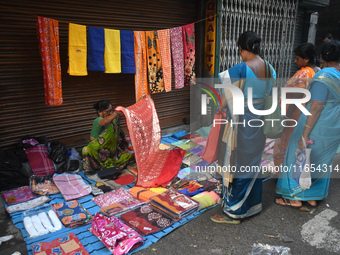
(305, 59)
(242, 144)
(108, 146)
(323, 127)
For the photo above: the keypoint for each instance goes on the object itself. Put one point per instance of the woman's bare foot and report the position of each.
(288, 202)
(311, 202)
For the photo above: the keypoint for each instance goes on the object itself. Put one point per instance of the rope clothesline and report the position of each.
(66, 22)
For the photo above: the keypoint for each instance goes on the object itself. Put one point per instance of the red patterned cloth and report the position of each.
(48, 34)
(39, 161)
(189, 54)
(155, 167)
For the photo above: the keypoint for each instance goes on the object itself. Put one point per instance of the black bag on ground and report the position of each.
(59, 155)
(10, 171)
(111, 173)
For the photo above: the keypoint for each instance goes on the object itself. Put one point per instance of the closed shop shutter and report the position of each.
(22, 106)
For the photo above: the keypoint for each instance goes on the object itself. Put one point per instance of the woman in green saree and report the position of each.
(107, 147)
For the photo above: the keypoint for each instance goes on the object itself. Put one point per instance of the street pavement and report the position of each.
(314, 232)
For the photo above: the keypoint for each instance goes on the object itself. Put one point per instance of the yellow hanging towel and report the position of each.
(112, 51)
(77, 50)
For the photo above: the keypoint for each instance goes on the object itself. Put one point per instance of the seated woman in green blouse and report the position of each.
(108, 146)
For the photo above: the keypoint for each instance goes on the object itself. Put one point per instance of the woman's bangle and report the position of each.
(308, 126)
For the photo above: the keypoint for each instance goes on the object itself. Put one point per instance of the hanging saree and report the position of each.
(155, 167)
(107, 150)
(164, 45)
(155, 71)
(326, 137)
(243, 147)
(176, 38)
(48, 33)
(189, 54)
(141, 78)
(300, 79)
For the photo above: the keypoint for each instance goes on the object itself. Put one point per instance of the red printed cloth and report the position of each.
(48, 33)
(18, 195)
(39, 161)
(176, 38)
(147, 220)
(115, 235)
(155, 167)
(69, 245)
(112, 197)
(189, 54)
(71, 186)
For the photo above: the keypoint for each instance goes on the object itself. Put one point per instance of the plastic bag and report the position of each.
(43, 185)
(41, 221)
(266, 249)
(302, 174)
(74, 154)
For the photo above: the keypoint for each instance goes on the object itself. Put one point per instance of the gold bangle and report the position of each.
(308, 126)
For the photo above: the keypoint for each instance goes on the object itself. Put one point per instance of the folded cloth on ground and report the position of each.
(72, 213)
(122, 206)
(199, 176)
(142, 193)
(204, 199)
(68, 244)
(158, 190)
(210, 184)
(112, 197)
(27, 205)
(174, 203)
(71, 186)
(39, 161)
(43, 185)
(18, 195)
(146, 220)
(115, 235)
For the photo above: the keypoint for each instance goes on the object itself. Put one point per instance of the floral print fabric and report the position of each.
(112, 197)
(72, 213)
(115, 235)
(147, 220)
(164, 45)
(155, 72)
(176, 38)
(69, 245)
(141, 78)
(18, 195)
(189, 54)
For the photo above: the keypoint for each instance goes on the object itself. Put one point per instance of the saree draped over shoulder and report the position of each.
(155, 167)
(300, 79)
(107, 150)
(242, 146)
(326, 137)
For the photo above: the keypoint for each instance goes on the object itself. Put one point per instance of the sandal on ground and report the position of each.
(286, 202)
(218, 218)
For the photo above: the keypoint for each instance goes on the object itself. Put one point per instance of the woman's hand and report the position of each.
(300, 144)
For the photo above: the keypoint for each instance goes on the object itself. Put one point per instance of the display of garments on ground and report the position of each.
(300, 79)
(155, 167)
(174, 203)
(18, 195)
(146, 220)
(68, 245)
(72, 213)
(107, 150)
(112, 197)
(115, 235)
(205, 199)
(71, 186)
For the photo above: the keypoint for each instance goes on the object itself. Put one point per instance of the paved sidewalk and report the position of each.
(314, 232)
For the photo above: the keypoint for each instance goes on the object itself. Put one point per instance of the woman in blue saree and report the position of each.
(323, 127)
(243, 142)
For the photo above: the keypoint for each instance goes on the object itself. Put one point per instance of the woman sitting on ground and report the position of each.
(108, 146)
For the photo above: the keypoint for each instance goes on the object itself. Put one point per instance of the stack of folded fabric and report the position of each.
(142, 193)
(71, 186)
(18, 195)
(72, 213)
(117, 201)
(174, 203)
(115, 235)
(206, 199)
(68, 244)
(147, 220)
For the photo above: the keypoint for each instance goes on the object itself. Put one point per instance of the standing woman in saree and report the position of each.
(243, 144)
(108, 146)
(305, 59)
(323, 127)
